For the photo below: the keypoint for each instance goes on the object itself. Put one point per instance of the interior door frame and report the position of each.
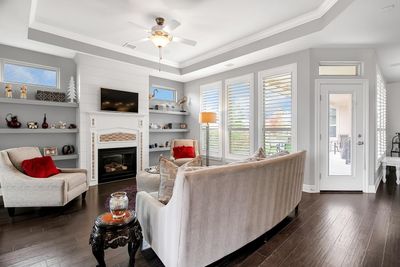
(317, 123)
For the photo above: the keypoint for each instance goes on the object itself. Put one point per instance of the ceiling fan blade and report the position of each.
(171, 25)
(146, 29)
(184, 41)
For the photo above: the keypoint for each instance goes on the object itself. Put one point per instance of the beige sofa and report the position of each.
(20, 190)
(217, 210)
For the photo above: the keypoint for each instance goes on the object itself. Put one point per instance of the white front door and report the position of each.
(341, 136)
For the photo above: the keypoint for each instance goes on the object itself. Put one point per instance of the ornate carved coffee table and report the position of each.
(110, 233)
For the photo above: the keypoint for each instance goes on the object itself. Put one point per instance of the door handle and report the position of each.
(360, 143)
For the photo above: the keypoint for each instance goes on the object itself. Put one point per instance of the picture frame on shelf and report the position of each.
(50, 151)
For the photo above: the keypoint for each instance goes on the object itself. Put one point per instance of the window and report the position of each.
(239, 116)
(162, 93)
(333, 68)
(29, 74)
(278, 109)
(210, 100)
(380, 117)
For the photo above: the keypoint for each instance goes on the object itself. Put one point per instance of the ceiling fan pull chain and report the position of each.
(159, 58)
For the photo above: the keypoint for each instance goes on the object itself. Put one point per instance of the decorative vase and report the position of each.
(12, 121)
(118, 204)
(45, 125)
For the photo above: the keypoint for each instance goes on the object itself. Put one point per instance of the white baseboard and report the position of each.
(374, 188)
(309, 188)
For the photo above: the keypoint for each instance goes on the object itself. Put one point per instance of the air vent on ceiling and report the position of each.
(128, 45)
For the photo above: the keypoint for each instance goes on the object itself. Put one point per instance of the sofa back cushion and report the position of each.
(18, 155)
(41, 167)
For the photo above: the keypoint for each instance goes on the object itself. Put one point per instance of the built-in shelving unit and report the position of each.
(37, 102)
(159, 149)
(65, 157)
(169, 130)
(185, 113)
(37, 131)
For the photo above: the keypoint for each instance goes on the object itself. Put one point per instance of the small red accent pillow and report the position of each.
(41, 167)
(184, 152)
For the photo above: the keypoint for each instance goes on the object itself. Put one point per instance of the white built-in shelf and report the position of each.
(169, 112)
(159, 149)
(65, 157)
(37, 102)
(169, 130)
(37, 131)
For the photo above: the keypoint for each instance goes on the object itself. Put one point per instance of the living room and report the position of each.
(199, 133)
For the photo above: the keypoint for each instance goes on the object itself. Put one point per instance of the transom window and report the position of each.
(334, 68)
(29, 74)
(163, 93)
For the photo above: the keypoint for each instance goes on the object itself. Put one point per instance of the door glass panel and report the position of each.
(340, 134)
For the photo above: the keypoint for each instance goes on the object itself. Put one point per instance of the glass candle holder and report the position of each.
(118, 204)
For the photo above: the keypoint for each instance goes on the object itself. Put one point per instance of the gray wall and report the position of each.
(161, 138)
(393, 112)
(35, 113)
(302, 59)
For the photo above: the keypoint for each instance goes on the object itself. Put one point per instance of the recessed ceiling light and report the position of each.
(229, 65)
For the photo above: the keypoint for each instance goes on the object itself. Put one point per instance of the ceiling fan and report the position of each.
(160, 35)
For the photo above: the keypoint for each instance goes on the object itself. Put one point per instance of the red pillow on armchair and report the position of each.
(181, 152)
(41, 167)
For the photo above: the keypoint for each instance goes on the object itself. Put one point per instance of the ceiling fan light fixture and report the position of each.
(161, 40)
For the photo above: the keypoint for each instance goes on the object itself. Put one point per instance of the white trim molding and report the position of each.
(309, 188)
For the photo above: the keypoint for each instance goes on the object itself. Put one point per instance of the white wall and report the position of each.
(94, 73)
(393, 112)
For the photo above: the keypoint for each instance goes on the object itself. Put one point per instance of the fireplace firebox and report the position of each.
(116, 163)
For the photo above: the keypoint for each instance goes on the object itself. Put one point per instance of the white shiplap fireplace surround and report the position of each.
(106, 131)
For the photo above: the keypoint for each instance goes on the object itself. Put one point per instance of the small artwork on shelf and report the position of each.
(50, 96)
(8, 91)
(24, 91)
(50, 151)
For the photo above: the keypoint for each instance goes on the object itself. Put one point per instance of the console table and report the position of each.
(391, 161)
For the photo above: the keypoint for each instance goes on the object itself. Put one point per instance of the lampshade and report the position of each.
(160, 40)
(207, 117)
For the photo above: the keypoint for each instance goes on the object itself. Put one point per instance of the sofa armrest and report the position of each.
(72, 170)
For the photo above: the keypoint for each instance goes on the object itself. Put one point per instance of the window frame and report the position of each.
(4, 61)
(357, 64)
(165, 88)
(243, 78)
(218, 85)
(292, 68)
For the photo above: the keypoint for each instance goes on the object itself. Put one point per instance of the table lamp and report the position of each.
(207, 118)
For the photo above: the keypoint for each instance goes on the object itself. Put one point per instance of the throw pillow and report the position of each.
(259, 154)
(41, 167)
(181, 152)
(168, 171)
(278, 154)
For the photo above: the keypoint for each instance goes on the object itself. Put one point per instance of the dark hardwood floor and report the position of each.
(330, 230)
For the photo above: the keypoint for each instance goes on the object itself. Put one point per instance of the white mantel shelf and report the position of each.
(113, 113)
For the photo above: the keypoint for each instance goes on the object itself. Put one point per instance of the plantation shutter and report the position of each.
(277, 113)
(210, 99)
(380, 117)
(238, 117)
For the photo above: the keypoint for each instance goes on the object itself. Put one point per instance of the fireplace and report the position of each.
(116, 163)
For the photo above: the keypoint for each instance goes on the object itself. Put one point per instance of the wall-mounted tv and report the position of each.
(120, 101)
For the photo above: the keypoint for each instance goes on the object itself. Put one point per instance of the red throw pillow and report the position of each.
(184, 152)
(42, 167)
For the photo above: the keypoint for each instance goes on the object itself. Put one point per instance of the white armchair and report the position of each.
(20, 190)
(183, 142)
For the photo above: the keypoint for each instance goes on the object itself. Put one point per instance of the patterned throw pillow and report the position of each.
(258, 155)
(168, 171)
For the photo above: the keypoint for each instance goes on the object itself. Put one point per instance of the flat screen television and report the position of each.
(120, 101)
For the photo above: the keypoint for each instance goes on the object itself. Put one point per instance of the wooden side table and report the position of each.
(110, 233)
(391, 161)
